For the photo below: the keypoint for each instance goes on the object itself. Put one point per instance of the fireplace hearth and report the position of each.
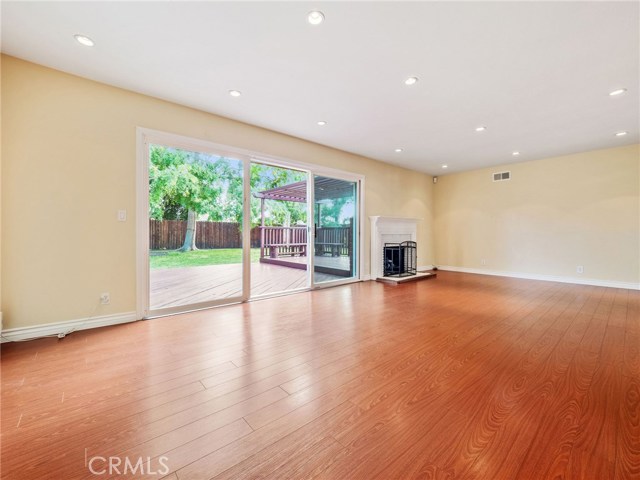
(400, 259)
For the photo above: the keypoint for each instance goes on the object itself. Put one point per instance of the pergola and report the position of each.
(324, 189)
(276, 242)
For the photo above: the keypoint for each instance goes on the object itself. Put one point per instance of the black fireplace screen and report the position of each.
(400, 259)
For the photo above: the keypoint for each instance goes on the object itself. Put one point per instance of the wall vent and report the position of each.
(500, 176)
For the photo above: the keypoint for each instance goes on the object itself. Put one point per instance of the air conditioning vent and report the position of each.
(500, 176)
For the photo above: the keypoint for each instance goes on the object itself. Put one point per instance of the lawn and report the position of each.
(197, 258)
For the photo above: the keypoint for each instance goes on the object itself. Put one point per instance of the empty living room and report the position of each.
(342, 240)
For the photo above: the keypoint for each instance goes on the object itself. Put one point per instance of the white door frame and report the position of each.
(359, 225)
(145, 136)
(284, 165)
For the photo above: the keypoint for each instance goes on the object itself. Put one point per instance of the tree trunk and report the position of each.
(190, 237)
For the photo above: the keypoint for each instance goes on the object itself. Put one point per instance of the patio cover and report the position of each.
(325, 188)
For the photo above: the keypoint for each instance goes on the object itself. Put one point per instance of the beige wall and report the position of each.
(69, 153)
(554, 215)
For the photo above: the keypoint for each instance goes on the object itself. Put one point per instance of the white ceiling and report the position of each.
(537, 74)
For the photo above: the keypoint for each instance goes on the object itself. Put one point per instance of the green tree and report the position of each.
(263, 177)
(331, 210)
(181, 181)
(187, 185)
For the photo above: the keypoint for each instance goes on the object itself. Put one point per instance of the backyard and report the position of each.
(196, 217)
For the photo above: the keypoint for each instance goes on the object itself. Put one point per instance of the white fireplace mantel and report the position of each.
(389, 229)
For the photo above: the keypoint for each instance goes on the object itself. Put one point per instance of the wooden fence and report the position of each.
(169, 235)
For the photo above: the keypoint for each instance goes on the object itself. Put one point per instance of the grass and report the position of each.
(198, 258)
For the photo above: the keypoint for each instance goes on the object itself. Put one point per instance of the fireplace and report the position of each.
(389, 230)
(399, 259)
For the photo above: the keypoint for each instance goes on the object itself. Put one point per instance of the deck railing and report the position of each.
(341, 235)
(276, 241)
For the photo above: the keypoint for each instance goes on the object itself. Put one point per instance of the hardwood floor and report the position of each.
(463, 377)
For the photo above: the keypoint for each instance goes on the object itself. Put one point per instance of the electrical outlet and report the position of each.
(579, 269)
(483, 261)
(122, 215)
(105, 298)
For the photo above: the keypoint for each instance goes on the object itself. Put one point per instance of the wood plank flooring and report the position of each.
(463, 377)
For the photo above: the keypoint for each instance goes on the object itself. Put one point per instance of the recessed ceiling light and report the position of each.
(315, 18)
(515, 154)
(481, 128)
(621, 134)
(398, 150)
(322, 123)
(619, 91)
(84, 40)
(235, 93)
(445, 166)
(411, 81)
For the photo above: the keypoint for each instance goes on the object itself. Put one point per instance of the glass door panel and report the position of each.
(335, 227)
(195, 228)
(279, 245)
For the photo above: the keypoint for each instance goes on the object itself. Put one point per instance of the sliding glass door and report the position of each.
(217, 225)
(280, 262)
(196, 210)
(335, 244)
(291, 246)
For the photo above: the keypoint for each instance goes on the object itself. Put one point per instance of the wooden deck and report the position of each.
(172, 287)
(341, 263)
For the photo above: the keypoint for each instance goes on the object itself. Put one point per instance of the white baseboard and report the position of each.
(546, 278)
(37, 331)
